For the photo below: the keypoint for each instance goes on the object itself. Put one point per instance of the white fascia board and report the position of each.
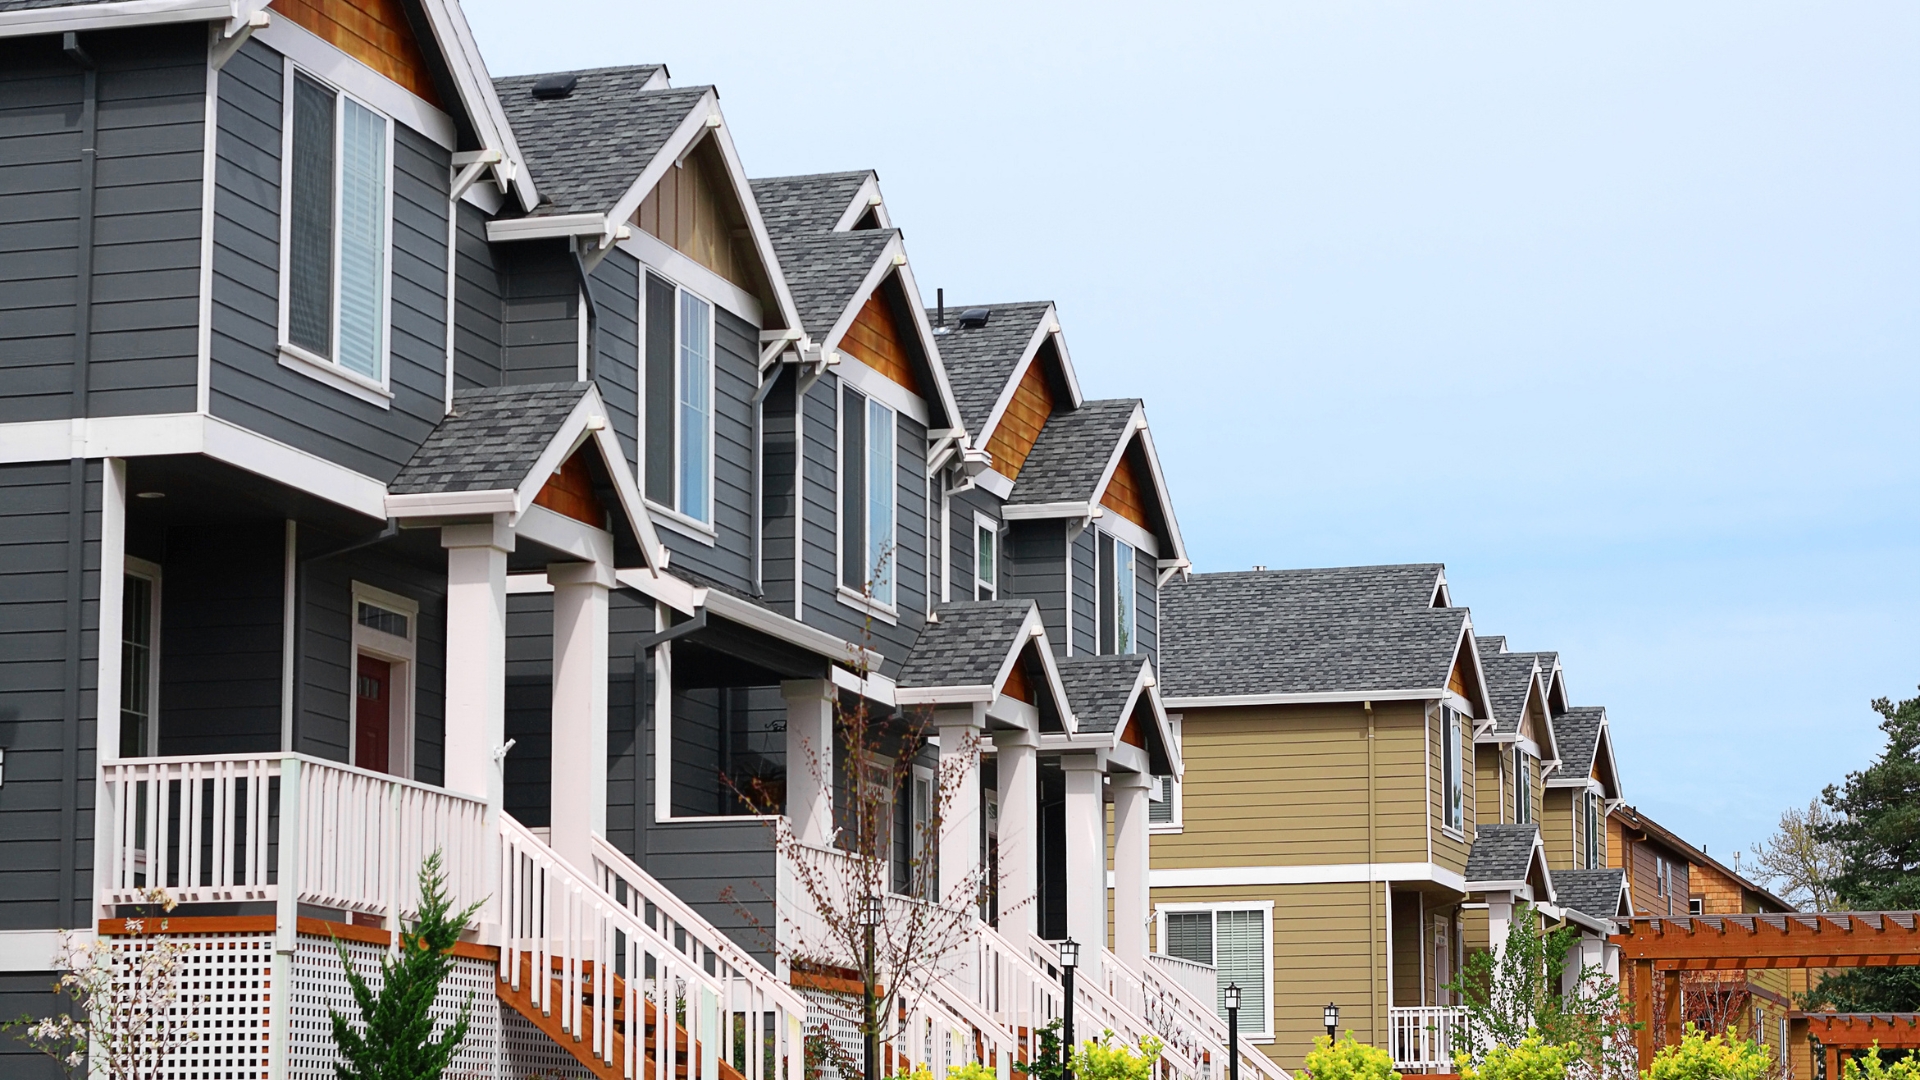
(1125, 757)
(1041, 330)
(680, 267)
(930, 345)
(542, 228)
(882, 266)
(1516, 887)
(1149, 686)
(438, 504)
(562, 533)
(971, 693)
(1605, 738)
(994, 483)
(1479, 674)
(683, 597)
(329, 62)
(689, 130)
(867, 196)
(874, 686)
(1121, 529)
(1046, 511)
(1315, 874)
(756, 225)
(774, 624)
(84, 17)
(1022, 716)
(1145, 435)
(1320, 698)
(469, 70)
(877, 386)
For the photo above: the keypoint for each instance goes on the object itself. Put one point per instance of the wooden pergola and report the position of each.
(1666, 946)
(1852, 1033)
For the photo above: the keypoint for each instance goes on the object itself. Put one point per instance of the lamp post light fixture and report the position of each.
(1332, 1016)
(1233, 1031)
(871, 913)
(1069, 960)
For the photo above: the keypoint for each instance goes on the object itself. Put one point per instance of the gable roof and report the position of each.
(1107, 692)
(1586, 743)
(1553, 678)
(586, 149)
(1333, 634)
(1509, 857)
(803, 205)
(1511, 680)
(1073, 461)
(985, 361)
(969, 651)
(1600, 893)
(826, 270)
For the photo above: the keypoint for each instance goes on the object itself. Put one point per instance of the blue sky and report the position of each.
(1609, 307)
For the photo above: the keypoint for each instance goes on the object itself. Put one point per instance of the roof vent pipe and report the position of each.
(940, 310)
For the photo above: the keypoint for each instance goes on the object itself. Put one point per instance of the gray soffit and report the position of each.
(1509, 677)
(981, 359)
(1590, 892)
(1071, 455)
(806, 205)
(1342, 630)
(491, 440)
(824, 271)
(967, 646)
(1501, 852)
(587, 149)
(1577, 732)
(1098, 688)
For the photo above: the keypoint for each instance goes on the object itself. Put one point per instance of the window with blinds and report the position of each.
(1160, 806)
(1234, 941)
(337, 229)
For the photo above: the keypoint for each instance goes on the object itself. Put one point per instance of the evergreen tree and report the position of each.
(1876, 827)
(395, 1039)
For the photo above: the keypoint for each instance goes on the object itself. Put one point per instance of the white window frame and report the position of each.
(1589, 803)
(983, 523)
(1174, 785)
(1100, 614)
(885, 611)
(376, 392)
(1452, 775)
(1264, 1033)
(149, 572)
(399, 652)
(672, 517)
(1522, 785)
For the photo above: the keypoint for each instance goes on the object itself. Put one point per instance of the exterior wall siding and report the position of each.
(249, 384)
(137, 224)
(478, 312)
(778, 488)
(541, 312)
(1560, 831)
(27, 994)
(221, 604)
(1147, 606)
(616, 359)
(49, 614)
(1085, 596)
(1035, 567)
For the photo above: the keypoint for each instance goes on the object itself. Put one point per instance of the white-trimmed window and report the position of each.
(1591, 810)
(1237, 939)
(140, 660)
(336, 237)
(1164, 809)
(986, 558)
(1452, 784)
(1522, 786)
(1116, 599)
(868, 498)
(385, 627)
(677, 402)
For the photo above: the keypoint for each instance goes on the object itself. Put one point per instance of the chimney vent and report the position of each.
(554, 87)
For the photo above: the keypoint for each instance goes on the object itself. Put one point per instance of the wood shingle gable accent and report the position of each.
(374, 32)
(694, 210)
(570, 491)
(1127, 490)
(1019, 427)
(875, 340)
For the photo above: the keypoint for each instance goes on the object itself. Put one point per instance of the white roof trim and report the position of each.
(469, 69)
(948, 404)
(1314, 698)
(776, 625)
(541, 228)
(863, 200)
(1043, 511)
(1145, 434)
(756, 225)
(1049, 320)
(1033, 631)
(1537, 855)
(1144, 683)
(84, 17)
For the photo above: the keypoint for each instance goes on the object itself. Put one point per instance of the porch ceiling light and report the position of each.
(1069, 953)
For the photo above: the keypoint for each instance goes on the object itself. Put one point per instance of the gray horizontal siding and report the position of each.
(1086, 593)
(962, 506)
(47, 700)
(221, 621)
(540, 328)
(477, 314)
(778, 484)
(616, 362)
(1035, 568)
(1147, 606)
(249, 384)
(143, 291)
(29, 994)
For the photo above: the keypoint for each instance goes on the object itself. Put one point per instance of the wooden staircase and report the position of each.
(575, 1042)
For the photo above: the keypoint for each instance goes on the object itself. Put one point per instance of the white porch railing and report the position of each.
(1425, 1037)
(1195, 1021)
(1200, 980)
(242, 827)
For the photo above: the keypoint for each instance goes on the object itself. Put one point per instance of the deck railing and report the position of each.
(1425, 1037)
(1200, 980)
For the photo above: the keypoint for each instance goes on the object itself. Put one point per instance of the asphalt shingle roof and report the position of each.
(805, 205)
(1097, 688)
(825, 270)
(1592, 892)
(1349, 629)
(980, 359)
(1072, 452)
(967, 646)
(586, 149)
(1509, 675)
(1501, 852)
(1577, 732)
(490, 440)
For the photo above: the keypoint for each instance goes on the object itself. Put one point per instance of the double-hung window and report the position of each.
(1234, 939)
(1592, 813)
(1452, 785)
(867, 497)
(336, 235)
(1522, 786)
(678, 406)
(986, 558)
(1117, 589)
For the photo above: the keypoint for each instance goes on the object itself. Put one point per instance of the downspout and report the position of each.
(1373, 969)
(387, 532)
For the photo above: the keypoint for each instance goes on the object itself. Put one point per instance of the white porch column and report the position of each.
(1019, 783)
(1130, 847)
(960, 728)
(1499, 920)
(476, 655)
(579, 797)
(810, 758)
(1086, 854)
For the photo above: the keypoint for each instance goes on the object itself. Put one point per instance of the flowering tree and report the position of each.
(122, 1001)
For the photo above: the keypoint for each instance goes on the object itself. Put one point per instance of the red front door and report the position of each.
(372, 713)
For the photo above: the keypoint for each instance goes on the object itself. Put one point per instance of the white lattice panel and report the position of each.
(841, 1014)
(219, 1020)
(320, 987)
(527, 1053)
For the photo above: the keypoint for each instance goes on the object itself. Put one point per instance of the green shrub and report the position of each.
(1107, 1058)
(1532, 1059)
(1870, 1066)
(1348, 1059)
(972, 1070)
(1711, 1057)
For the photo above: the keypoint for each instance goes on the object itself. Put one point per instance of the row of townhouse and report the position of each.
(396, 458)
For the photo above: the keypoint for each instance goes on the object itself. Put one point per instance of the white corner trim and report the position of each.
(995, 483)
(295, 358)
(315, 54)
(1317, 874)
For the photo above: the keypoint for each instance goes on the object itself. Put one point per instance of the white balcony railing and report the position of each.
(1200, 980)
(1425, 1037)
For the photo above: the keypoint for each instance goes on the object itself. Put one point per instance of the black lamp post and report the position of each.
(870, 915)
(1332, 1016)
(1233, 1031)
(1069, 959)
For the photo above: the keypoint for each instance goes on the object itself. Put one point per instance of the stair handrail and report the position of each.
(1178, 1005)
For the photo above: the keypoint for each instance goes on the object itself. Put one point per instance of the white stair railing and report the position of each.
(1426, 1036)
(1185, 1017)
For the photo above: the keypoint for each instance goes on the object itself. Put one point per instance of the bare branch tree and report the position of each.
(1798, 865)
